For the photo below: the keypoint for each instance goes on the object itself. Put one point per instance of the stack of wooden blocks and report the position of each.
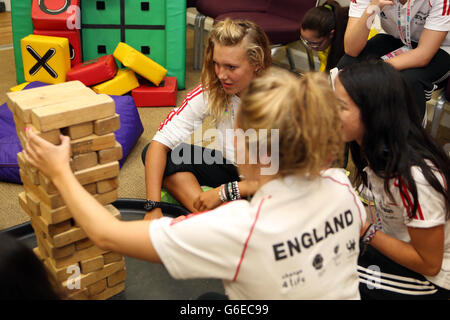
(72, 109)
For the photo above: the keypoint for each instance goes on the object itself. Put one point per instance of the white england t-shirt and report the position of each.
(428, 14)
(296, 239)
(430, 213)
(181, 122)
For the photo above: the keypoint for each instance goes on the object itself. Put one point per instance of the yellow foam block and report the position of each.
(18, 87)
(45, 59)
(124, 81)
(139, 63)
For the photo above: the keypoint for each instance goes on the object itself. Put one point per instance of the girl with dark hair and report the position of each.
(322, 29)
(408, 174)
(22, 275)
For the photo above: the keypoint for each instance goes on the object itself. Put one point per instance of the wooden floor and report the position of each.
(5, 29)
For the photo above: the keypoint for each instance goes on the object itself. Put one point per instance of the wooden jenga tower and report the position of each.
(71, 108)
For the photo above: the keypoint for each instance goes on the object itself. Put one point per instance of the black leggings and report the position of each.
(380, 278)
(207, 174)
(421, 80)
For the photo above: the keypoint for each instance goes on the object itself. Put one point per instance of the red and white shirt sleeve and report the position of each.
(181, 245)
(357, 8)
(181, 122)
(431, 207)
(439, 17)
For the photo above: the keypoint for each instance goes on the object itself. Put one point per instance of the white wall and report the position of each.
(7, 4)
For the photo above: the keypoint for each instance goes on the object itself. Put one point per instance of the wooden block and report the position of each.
(92, 143)
(83, 244)
(83, 161)
(98, 173)
(107, 197)
(28, 169)
(116, 278)
(92, 264)
(57, 253)
(60, 274)
(79, 130)
(33, 203)
(68, 237)
(36, 95)
(63, 213)
(24, 205)
(110, 154)
(111, 257)
(107, 125)
(97, 287)
(25, 105)
(76, 233)
(46, 184)
(77, 257)
(91, 278)
(76, 111)
(38, 254)
(107, 185)
(110, 292)
(80, 295)
(54, 229)
(52, 200)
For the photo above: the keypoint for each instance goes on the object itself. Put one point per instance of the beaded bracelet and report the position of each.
(236, 190)
(370, 233)
(222, 195)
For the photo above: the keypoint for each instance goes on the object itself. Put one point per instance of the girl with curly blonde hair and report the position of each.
(237, 52)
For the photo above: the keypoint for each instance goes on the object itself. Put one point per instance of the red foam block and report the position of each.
(162, 96)
(55, 14)
(94, 71)
(74, 41)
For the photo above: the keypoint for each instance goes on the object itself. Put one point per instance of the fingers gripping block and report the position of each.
(123, 82)
(139, 63)
(45, 59)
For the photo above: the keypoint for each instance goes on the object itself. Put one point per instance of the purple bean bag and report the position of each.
(130, 130)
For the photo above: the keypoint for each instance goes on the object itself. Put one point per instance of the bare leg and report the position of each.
(184, 187)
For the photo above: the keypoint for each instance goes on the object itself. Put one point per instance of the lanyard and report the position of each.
(407, 38)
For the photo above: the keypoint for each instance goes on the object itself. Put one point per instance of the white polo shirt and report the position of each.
(181, 122)
(296, 239)
(430, 213)
(428, 14)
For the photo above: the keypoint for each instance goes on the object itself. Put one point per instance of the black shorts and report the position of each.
(208, 174)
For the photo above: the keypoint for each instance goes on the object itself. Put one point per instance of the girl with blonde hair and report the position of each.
(237, 52)
(297, 238)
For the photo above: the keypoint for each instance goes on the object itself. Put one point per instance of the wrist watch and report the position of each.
(149, 205)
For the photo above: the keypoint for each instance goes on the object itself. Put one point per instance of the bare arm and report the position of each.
(108, 233)
(424, 254)
(210, 199)
(358, 29)
(429, 43)
(155, 164)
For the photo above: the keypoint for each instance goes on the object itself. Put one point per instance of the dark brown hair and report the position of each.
(323, 20)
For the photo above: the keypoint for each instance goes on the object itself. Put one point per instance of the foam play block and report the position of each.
(45, 59)
(124, 81)
(151, 96)
(18, 87)
(55, 14)
(140, 63)
(74, 42)
(94, 71)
